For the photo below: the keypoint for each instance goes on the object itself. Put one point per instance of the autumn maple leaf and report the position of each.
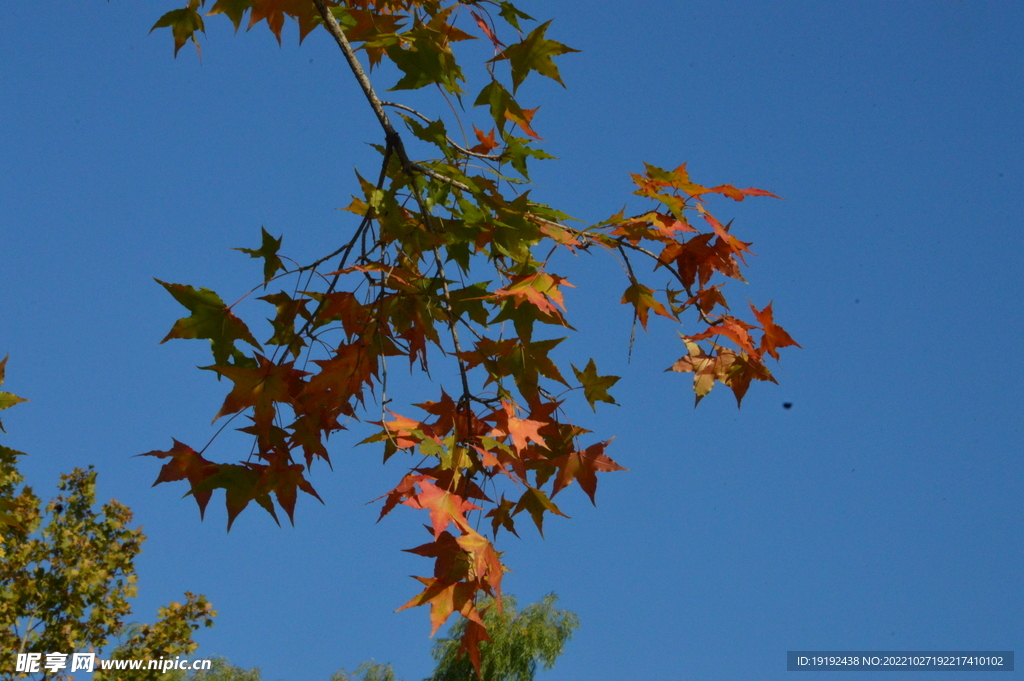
(595, 388)
(185, 464)
(534, 53)
(274, 11)
(774, 335)
(539, 289)
(520, 430)
(703, 366)
(210, 319)
(444, 599)
(487, 30)
(487, 142)
(736, 330)
(643, 301)
(583, 467)
(260, 388)
(444, 506)
(722, 232)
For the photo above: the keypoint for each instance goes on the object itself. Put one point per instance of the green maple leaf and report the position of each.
(517, 151)
(495, 96)
(536, 503)
(210, 319)
(595, 387)
(643, 301)
(7, 399)
(234, 9)
(183, 24)
(268, 251)
(429, 59)
(241, 485)
(434, 133)
(512, 14)
(534, 53)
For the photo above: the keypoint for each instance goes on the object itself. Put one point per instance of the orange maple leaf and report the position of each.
(722, 231)
(740, 194)
(274, 11)
(520, 430)
(583, 467)
(487, 142)
(445, 507)
(486, 29)
(735, 330)
(539, 289)
(185, 464)
(485, 566)
(444, 599)
(774, 335)
(739, 370)
(524, 121)
(470, 642)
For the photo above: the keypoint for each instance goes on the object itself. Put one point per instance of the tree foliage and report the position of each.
(67, 572)
(520, 640)
(451, 262)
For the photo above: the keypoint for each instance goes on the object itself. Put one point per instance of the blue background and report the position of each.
(881, 512)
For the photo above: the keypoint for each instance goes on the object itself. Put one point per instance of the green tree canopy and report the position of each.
(520, 640)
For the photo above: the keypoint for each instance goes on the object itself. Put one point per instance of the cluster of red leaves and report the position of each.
(505, 445)
(694, 261)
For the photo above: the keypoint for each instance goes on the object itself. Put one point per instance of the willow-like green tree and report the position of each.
(449, 265)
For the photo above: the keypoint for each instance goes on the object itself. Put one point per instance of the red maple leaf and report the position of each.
(185, 464)
(487, 142)
(486, 29)
(260, 388)
(540, 290)
(735, 330)
(583, 467)
(445, 507)
(774, 335)
(444, 599)
(470, 642)
(520, 430)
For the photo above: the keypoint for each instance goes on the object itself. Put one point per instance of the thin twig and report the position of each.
(467, 152)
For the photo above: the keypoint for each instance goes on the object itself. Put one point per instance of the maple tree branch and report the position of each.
(625, 243)
(391, 250)
(463, 372)
(332, 26)
(347, 248)
(390, 134)
(467, 152)
(440, 176)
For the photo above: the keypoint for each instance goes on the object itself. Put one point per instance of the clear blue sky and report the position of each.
(883, 511)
